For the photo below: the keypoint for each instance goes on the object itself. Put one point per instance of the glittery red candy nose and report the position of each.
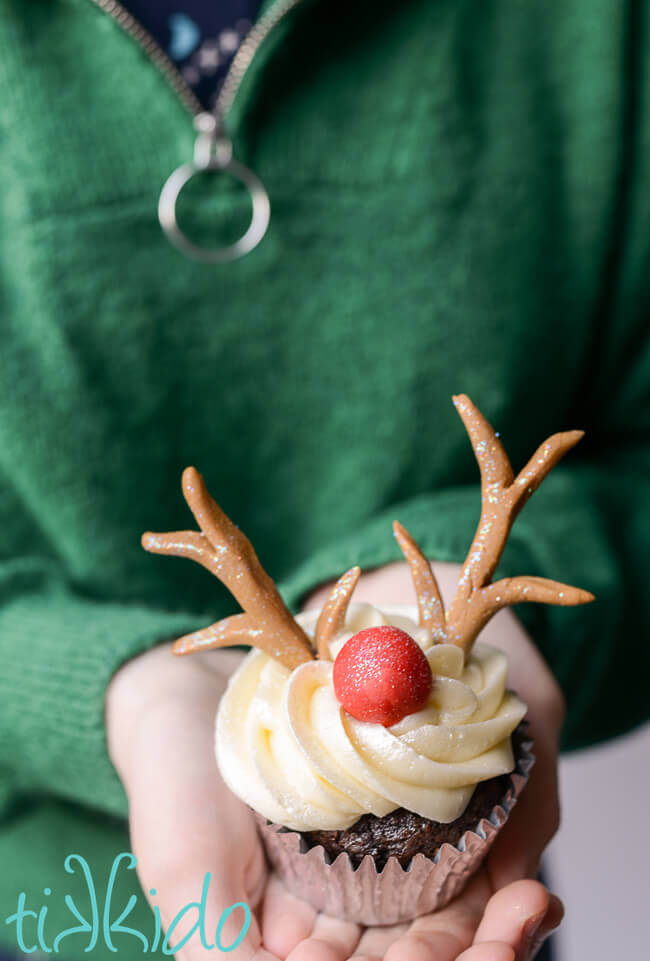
(380, 675)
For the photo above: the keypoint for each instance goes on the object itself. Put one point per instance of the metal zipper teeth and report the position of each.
(179, 85)
(249, 47)
(154, 51)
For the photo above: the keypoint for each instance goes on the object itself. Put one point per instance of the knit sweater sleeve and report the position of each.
(58, 651)
(588, 525)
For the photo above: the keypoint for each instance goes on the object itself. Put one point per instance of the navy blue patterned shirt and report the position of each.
(200, 36)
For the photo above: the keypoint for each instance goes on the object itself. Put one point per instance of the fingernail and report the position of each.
(531, 927)
(540, 926)
(538, 940)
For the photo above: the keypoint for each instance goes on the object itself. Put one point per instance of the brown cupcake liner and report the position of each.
(394, 894)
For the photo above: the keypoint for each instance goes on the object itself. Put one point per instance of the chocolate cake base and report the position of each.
(402, 834)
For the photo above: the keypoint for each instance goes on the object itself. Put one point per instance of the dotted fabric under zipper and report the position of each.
(200, 36)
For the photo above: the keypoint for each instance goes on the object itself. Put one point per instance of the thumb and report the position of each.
(201, 915)
(519, 846)
(196, 845)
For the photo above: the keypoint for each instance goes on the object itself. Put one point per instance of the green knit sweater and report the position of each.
(460, 202)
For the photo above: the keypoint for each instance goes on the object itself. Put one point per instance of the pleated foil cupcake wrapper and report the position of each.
(395, 894)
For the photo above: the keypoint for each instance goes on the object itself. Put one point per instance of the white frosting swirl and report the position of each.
(286, 746)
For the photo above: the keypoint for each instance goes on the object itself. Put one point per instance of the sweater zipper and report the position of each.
(213, 147)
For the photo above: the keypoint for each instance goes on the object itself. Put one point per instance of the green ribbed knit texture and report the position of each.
(460, 199)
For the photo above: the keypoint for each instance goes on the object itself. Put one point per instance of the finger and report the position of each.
(330, 940)
(439, 946)
(517, 851)
(195, 843)
(443, 935)
(535, 818)
(376, 941)
(285, 919)
(200, 911)
(488, 951)
(514, 914)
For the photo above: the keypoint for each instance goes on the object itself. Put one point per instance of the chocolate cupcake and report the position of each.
(375, 822)
(375, 746)
(403, 834)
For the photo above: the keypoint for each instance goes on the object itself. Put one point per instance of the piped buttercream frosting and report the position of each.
(287, 747)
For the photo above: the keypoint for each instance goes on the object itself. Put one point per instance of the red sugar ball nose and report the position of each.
(380, 675)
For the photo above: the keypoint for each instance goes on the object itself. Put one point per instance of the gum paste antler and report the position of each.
(221, 547)
(502, 497)
(267, 623)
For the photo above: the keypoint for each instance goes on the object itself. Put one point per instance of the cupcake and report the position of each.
(379, 747)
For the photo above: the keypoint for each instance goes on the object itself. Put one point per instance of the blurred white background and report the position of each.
(599, 863)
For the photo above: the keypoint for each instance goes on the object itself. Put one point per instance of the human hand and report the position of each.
(184, 823)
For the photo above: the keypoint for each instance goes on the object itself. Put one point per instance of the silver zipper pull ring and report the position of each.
(213, 152)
